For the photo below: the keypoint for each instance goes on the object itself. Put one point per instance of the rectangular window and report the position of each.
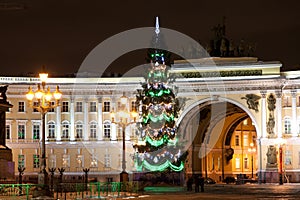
(245, 142)
(288, 157)
(21, 107)
(79, 130)
(93, 106)
(134, 106)
(106, 130)
(106, 107)
(35, 104)
(36, 161)
(237, 163)
(52, 161)
(94, 162)
(79, 161)
(237, 140)
(21, 161)
(65, 106)
(246, 163)
(66, 161)
(36, 131)
(93, 130)
(78, 107)
(52, 103)
(7, 131)
(107, 160)
(21, 131)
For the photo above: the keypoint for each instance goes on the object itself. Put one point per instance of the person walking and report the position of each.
(201, 181)
(197, 183)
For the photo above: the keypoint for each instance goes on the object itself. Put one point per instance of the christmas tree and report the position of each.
(158, 149)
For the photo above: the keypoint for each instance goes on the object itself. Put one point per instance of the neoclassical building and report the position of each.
(240, 116)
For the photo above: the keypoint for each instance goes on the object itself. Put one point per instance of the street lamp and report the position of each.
(252, 150)
(122, 119)
(42, 98)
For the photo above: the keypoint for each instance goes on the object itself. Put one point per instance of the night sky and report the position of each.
(60, 33)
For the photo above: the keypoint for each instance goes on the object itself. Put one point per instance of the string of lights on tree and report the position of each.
(159, 149)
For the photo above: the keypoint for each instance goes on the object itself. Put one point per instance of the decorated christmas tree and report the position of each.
(158, 148)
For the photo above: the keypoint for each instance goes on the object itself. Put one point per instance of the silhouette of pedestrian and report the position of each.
(201, 180)
(197, 183)
(189, 184)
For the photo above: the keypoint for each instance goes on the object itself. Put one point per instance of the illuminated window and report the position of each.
(237, 140)
(65, 106)
(65, 130)
(133, 106)
(78, 107)
(79, 161)
(21, 107)
(288, 157)
(66, 161)
(106, 107)
(36, 161)
(21, 131)
(21, 161)
(51, 130)
(106, 129)
(36, 131)
(246, 141)
(93, 106)
(79, 129)
(93, 130)
(246, 163)
(237, 163)
(287, 126)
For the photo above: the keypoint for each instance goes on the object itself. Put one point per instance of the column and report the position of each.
(263, 115)
(100, 119)
(278, 112)
(294, 113)
(58, 122)
(72, 120)
(85, 120)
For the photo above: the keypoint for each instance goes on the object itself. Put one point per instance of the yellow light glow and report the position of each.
(48, 95)
(30, 94)
(112, 115)
(57, 94)
(39, 93)
(123, 99)
(43, 77)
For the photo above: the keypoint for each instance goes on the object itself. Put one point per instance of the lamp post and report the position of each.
(252, 150)
(121, 118)
(42, 98)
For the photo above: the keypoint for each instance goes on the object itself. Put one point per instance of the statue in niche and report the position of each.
(252, 101)
(271, 102)
(271, 156)
(271, 125)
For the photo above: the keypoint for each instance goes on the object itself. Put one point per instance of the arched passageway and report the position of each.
(221, 140)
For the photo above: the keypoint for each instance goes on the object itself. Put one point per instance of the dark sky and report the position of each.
(60, 33)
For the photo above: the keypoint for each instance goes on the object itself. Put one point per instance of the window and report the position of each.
(246, 163)
(52, 161)
(66, 161)
(79, 130)
(107, 160)
(287, 126)
(93, 107)
(36, 131)
(65, 129)
(35, 104)
(134, 106)
(237, 140)
(106, 129)
(21, 106)
(65, 106)
(79, 161)
(21, 161)
(51, 130)
(106, 107)
(94, 162)
(21, 131)
(93, 130)
(7, 131)
(52, 103)
(246, 141)
(36, 161)
(78, 107)
(288, 157)
(237, 163)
